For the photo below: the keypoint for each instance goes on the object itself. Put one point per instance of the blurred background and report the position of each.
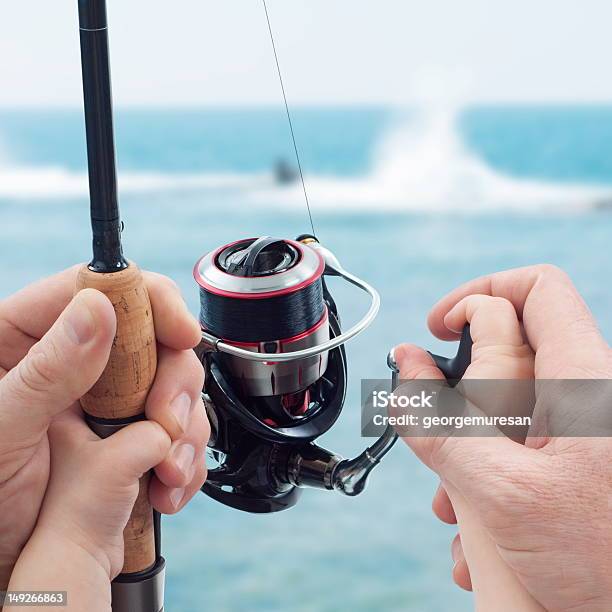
(439, 140)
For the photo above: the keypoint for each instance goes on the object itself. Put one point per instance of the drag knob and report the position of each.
(262, 257)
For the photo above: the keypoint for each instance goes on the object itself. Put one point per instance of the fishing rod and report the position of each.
(272, 347)
(118, 398)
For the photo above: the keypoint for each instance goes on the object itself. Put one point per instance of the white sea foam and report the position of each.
(419, 165)
(28, 183)
(422, 165)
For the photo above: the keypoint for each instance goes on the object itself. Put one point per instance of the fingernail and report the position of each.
(398, 355)
(455, 549)
(181, 409)
(183, 456)
(176, 497)
(79, 323)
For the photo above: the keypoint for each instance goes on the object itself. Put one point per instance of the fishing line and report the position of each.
(295, 147)
(262, 320)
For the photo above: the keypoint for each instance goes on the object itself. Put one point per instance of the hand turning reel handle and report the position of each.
(353, 479)
(494, 584)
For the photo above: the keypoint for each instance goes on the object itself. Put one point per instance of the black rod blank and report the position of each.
(105, 219)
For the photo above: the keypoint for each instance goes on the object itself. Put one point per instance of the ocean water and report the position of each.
(415, 202)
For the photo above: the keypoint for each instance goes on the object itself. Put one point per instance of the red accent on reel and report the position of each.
(257, 296)
(296, 404)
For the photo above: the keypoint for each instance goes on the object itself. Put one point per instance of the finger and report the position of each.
(175, 326)
(169, 500)
(69, 429)
(134, 450)
(457, 549)
(26, 316)
(524, 288)
(59, 369)
(175, 403)
(553, 313)
(443, 507)
(415, 363)
(180, 465)
(176, 392)
(475, 466)
(461, 571)
(500, 349)
(493, 320)
(461, 575)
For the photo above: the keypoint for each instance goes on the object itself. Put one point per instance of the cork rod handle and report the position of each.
(122, 390)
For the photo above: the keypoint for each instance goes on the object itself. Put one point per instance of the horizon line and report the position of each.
(237, 106)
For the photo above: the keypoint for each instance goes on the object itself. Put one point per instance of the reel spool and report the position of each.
(266, 296)
(276, 372)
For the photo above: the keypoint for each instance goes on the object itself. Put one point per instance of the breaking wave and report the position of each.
(424, 166)
(419, 165)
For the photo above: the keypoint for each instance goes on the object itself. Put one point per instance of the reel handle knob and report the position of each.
(455, 367)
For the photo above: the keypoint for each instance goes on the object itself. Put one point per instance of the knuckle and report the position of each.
(416, 371)
(168, 283)
(501, 302)
(503, 307)
(491, 302)
(160, 281)
(549, 270)
(39, 371)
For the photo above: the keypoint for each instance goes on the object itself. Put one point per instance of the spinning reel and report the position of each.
(276, 372)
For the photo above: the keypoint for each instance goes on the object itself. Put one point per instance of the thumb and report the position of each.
(60, 368)
(133, 450)
(120, 459)
(484, 470)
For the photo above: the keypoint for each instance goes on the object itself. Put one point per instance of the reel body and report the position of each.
(276, 370)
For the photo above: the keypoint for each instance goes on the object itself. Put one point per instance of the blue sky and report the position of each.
(216, 52)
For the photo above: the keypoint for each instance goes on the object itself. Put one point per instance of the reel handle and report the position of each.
(119, 396)
(351, 476)
(454, 368)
